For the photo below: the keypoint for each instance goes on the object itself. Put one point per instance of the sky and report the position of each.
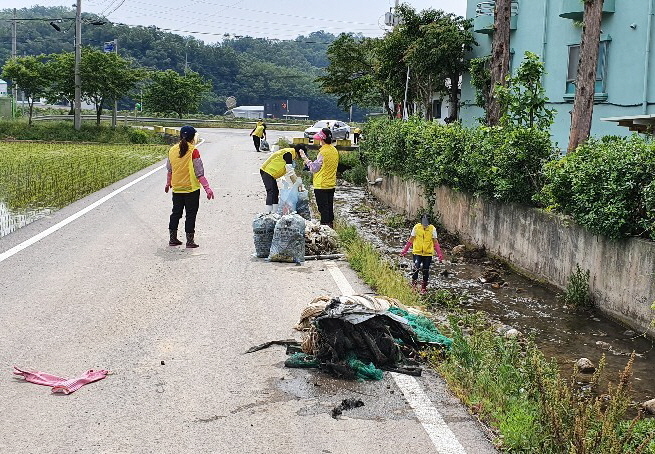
(273, 19)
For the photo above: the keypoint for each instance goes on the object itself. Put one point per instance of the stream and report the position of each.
(535, 309)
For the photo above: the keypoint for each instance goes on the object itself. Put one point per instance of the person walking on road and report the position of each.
(279, 164)
(258, 133)
(424, 243)
(185, 176)
(324, 179)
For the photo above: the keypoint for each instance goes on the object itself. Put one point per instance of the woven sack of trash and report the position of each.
(263, 227)
(288, 243)
(320, 239)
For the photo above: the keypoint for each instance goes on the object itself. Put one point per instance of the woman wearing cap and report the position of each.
(258, 133)
(185, 176)
(324, 169)
(279, 164)
(423, 241)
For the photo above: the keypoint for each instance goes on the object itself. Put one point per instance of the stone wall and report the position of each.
(543, 245)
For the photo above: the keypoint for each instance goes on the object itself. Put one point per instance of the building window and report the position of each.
(601, 67)
(436, 108)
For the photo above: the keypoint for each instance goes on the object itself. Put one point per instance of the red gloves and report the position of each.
(407, 246)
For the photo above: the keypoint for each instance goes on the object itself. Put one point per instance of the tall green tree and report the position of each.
(106, 77)
(171, 92)
(585, 81)
(30, 75)
(61, 72)
(351, 73)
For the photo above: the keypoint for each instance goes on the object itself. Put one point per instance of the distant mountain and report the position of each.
(251, 69)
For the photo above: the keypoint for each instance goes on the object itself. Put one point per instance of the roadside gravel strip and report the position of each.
(96, 286)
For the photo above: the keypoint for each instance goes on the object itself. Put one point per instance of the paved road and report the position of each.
(105, 291)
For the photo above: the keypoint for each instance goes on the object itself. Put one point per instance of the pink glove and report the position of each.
(205, 184)
(407, 246)
(438, 249)
(169, 176)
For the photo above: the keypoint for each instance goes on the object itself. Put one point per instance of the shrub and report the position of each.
(138, 136)
(577, 289)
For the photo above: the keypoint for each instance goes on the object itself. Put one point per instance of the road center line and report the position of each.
(27, 243)
(442, 437)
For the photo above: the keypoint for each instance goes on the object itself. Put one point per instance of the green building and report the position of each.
(625, 85)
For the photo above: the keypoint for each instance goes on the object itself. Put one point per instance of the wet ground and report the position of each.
(534, 309)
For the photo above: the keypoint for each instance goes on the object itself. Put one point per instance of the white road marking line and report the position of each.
(16, 249)
(443, 439)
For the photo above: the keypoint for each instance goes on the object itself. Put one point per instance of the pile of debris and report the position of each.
(320, 239)
(356, 337)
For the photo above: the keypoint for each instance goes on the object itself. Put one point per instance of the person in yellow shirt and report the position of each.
(258, 133)
(424, 243)
(185, 176)
(324, 179)
(356, 135)
(278, 165)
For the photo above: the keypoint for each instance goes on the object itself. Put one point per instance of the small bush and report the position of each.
(138, 136)
(577, 289)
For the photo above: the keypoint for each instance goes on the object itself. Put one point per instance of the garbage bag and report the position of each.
(302, 207)
(264, 146)
(263, 227)
(288, 197)
(288, 240)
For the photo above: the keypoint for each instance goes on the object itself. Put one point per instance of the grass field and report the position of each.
(51, 175)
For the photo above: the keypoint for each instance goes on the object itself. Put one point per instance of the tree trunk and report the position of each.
(585, 81)
(453, 111)
(98, 113)
(499, 57)
(30, 104)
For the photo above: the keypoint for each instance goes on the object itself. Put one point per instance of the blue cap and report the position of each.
(187, 132)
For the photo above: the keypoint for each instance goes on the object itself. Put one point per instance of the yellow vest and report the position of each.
(259, 131)
(184, 176)
(275, 164)
(423, 241)
(326, 177)
(357, 131)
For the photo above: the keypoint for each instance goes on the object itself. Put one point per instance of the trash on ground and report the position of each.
(285, 342)
(61, 384)
(263, 227)
(356, 337)
(288, 200)
(320, 239)
(346, 404)
(288, 243)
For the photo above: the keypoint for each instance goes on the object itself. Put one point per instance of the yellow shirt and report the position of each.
(326, 177)
(357, 131)
(275, 165)
(183, 177)
(423, 239)
(259, 131)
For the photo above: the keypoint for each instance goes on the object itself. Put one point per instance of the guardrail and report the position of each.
(125, 119)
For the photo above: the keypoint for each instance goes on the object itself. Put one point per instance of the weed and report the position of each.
(577, 289)
(396, 221)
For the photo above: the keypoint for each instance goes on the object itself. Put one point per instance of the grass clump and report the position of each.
(577, 289)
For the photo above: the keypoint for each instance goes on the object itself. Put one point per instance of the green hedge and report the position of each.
(607, 185)
(501, 164)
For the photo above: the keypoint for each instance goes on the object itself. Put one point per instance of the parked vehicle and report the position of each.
(340, 130)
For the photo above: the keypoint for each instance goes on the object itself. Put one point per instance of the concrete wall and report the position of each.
(548, 247)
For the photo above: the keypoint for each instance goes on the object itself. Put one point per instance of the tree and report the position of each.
(437, 56)
(61, 72)
(499, 57)
(350, 74)
(106, 77)
(585, 81)
(30, 75)
(481, 81)
(177, 93)
(523, 100)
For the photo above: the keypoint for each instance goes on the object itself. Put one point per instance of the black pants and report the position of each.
(355, 138)
(325, 203)
(422, 262)
(257, 141)
(189, 201)
(272, 191)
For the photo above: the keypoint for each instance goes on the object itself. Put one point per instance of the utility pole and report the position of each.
(78, 57)
(14, 89)
(114, 113)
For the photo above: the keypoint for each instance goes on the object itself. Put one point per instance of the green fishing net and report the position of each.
(423, 327)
